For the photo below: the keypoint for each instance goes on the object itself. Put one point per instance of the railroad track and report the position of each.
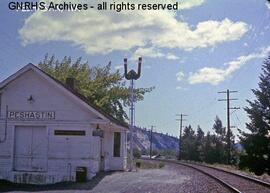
(234, 182)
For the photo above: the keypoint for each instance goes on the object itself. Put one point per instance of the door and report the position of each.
(30, 153)
(102, 155)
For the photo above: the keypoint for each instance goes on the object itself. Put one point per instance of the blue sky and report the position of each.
(189, 55)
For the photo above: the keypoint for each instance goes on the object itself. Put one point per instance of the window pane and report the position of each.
(117, 144)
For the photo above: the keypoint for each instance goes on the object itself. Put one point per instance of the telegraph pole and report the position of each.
(180, 135)
(228, 99)
(151, 140)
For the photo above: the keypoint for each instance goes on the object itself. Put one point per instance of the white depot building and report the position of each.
(49, 133)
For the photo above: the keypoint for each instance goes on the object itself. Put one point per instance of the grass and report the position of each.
(143, 164)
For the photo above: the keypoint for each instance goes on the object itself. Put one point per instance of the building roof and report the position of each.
(11, 78)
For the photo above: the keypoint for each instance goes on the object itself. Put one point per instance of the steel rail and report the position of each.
(258, 181)
(222, 182)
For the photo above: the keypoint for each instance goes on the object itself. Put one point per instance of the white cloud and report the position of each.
(216, 75)
(205, 34)
(153, 53)
(102, 32)
(147, 52)
(187, 4)
(267, 5)
(171, 56)
(180, 75)
(207, 75)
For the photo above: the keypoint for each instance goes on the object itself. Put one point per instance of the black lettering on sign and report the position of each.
(31, 115)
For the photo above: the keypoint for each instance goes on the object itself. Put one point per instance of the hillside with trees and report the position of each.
(163, 144)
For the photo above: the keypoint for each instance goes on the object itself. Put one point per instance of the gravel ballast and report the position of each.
(172, 178)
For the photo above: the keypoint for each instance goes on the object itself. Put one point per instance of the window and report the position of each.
(116, 144)
(69, 132)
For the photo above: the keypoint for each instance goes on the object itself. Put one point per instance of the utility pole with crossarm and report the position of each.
(228, 99)
(180, 135)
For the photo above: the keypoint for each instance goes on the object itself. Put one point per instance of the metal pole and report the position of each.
(132, 75)
(180, 137)
(228, 126)
(228, 99)
(131, 123)
(151, 141)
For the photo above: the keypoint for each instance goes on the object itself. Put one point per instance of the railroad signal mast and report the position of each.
(228, 99)
(132, 75)
(180, 134)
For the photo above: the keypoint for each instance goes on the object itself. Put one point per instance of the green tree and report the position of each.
(256, 142)
(209, 151)
(189, 144)
(199, 144)
(137, 153)
(101, 86)
(219, 141)
(219, 129)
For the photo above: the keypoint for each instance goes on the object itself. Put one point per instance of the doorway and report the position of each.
(30, 148)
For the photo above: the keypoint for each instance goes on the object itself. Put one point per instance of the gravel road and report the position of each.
(172, 178)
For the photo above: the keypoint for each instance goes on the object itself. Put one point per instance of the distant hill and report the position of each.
(160, 141)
